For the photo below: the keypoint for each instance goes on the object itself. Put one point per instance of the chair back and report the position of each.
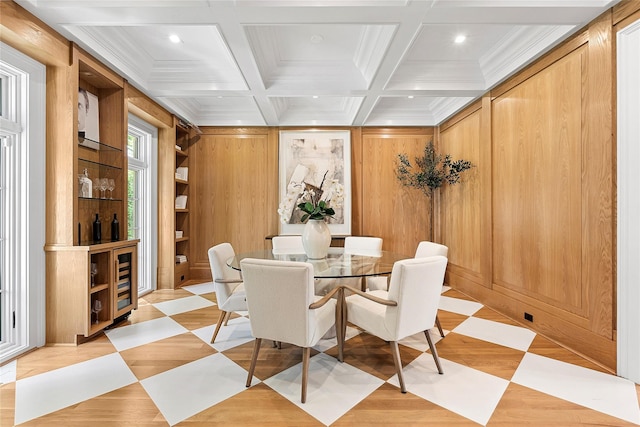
(426, 249)
(278, 297)
(287, 245)
(363, 245)
(416, 285)
(218, 256)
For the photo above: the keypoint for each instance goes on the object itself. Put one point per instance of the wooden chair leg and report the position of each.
(434, 353)
(227, 317)
(220, 321)
(439, 326)
(396, 360)
(306, 353)
(254, 359)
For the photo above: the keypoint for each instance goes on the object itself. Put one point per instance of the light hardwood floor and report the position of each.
(496, 373)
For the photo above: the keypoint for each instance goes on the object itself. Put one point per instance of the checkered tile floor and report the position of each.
(160, 369)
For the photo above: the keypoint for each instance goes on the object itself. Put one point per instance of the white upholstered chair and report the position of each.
(283, 308)
(228, 284)
(362, 245)
(287, 245)
(424, 249)
(410, 306)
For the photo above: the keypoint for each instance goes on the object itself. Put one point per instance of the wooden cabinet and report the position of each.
(81, 303)
(85, 274)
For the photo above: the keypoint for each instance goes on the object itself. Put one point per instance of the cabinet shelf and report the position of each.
(98, 199)
(181, 181)
(98, 288)
(181, 153)
(98, 163)
(182, 210)
(90, 143)
(182, 239)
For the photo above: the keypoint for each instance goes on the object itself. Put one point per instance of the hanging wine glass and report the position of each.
(97, 307)
(94, 271)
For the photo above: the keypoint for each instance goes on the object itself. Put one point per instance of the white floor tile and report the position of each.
(605, 393)
(189, 389)
(460, 306)
(332, 388)
(201, 288)
(468, 392)
(183, 305)
(8, 373)
(237, 332)
(326, 343)
(419, 341)
(511, 336)
(143, 333)
(45, 393)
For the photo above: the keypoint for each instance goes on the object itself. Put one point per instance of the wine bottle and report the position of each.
(97, 230)
(115, 229)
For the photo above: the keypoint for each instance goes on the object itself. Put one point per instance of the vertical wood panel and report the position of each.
(234, 192)
(537, 174)
(397, 214)
(460, 205)
(597, 184)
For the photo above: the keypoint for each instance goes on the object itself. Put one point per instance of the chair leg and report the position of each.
(439, 326)
(396, 360)
(227, 317)
(434, 353)
(306, 353)
(254, 359)
(220, 321)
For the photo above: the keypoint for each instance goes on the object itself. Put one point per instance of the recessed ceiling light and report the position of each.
(174, 38)
(460, 38)
(317, 38)
(315, 96)
(410, 96)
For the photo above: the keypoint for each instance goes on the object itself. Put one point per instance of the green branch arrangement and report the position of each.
(431, 170)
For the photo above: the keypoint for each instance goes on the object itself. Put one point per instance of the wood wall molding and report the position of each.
(23, 31)
(144, 107)
(627, 11)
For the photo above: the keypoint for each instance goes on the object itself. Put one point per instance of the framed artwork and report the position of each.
(88, 119)
(314, 160)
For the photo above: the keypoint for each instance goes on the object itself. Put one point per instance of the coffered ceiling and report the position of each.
(316, 62)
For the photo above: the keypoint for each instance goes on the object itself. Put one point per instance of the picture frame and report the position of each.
(88, 119)
(315, 158)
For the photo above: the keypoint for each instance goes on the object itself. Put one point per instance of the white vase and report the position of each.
(316, 239)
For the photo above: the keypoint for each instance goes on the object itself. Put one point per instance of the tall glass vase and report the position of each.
(316, 239)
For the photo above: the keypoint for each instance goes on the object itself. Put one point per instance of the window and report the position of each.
(142, 199)
(22, 220)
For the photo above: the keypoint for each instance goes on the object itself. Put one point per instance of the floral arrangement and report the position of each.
(315, 202)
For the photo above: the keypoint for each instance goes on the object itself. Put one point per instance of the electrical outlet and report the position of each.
(528, 316)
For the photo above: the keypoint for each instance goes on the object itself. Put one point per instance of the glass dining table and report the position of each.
(337, 264)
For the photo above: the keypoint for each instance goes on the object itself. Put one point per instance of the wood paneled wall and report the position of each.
(546, 137)
(397, 214)
(459, 210)
(234, 191)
